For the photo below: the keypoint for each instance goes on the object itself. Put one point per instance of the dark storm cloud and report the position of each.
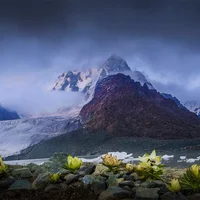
(101, 19)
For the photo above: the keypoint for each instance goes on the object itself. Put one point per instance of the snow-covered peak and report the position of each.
(193, 106)
(75, 81)
(114, 64)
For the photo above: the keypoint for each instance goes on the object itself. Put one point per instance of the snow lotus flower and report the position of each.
(174, 185)
(195, 170)
(54, 177)
(73, 163)
(151, 159)
(130, 167)
(111, 161)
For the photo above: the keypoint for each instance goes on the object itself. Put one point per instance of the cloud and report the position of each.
(31, 96)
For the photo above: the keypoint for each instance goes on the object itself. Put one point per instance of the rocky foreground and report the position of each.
(91, 181)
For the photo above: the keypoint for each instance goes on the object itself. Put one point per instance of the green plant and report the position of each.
(191, 179)
(150, 166)
(73, 163)
(3, 167)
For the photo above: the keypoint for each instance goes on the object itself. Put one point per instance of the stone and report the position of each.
(152, 184)
(100, 169)
(21, 185)
(5, 183)
(32, 166)
(194, 196)
(128, 177)
(86, 170)
(52, 187)
(129, 184)
(97, 183)
(22, 173)
(63, 172)
(135, 176)
(113, 180)
(147, 193)
(41, 181)
(114, 193)
(173, 196)
(70, 178)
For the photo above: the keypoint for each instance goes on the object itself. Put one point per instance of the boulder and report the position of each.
(21, 185)
(147, 193)
(41, 181)
(22, 173)
(115, 193)
(70, 178)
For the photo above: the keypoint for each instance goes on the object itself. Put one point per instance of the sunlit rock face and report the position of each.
(124, 107)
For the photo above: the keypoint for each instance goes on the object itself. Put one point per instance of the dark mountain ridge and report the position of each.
(122, 107)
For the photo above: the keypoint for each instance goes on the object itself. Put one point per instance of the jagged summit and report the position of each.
(114, 64)
(85, 81)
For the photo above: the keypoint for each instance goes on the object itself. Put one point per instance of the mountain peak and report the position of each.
(114, 64)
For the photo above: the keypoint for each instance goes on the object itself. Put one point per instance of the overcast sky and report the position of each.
(39, 39)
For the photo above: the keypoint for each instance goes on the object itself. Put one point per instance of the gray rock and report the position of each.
(52, 187)
(113, 180)
(173, 196)
(20, 185)
(194, 196)
(129, 184)
(63, 172)
(114, 193)
(5, 183)
(128, 177)
(147, 193)
(41, 181)
(70, 178)
(32, 166)
(22, 173)
(152, 184)
(86, 170)
(97, 183)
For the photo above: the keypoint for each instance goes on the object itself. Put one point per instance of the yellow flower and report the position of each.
(152, 158)
(73, 163)
(111, 161)
(54, 177)
(130, 167)
(175, 185)
(195, 170)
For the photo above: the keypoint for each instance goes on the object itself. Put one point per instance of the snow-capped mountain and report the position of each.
(193, 106)
(85, 82)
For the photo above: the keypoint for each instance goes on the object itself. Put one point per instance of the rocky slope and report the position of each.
(6, 114)
(123, 107)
